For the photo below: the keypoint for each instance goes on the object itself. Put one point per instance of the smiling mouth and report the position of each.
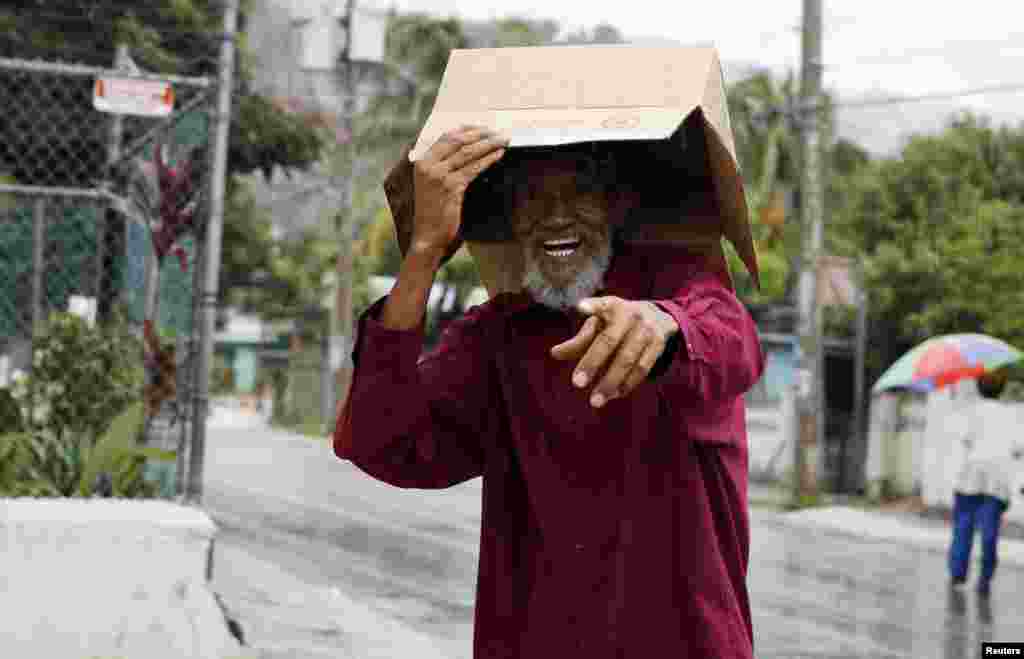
(562, 247)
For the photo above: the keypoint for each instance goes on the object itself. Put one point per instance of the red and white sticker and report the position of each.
(145, 98)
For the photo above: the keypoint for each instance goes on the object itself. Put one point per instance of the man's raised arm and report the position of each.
(419, 424)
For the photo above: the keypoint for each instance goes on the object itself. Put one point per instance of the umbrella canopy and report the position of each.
(943, 360)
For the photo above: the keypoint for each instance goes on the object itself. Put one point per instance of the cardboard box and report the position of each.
(662, 111)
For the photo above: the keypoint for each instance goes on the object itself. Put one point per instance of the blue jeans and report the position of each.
(972, 511)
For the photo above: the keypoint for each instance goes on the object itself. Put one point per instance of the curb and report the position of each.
(890, 527)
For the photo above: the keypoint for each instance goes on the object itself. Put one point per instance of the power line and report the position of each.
(949, 46)
(1003, 88)
(934, 96)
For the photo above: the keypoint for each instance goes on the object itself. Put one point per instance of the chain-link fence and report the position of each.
(101, 218)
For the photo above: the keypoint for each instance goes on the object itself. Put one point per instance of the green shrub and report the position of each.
(72, 424)
(82, 377)
(10, 412)
(41, 464)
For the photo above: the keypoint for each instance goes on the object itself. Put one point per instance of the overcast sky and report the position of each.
(871, 47)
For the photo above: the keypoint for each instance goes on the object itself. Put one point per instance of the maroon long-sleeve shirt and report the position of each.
(619, 532)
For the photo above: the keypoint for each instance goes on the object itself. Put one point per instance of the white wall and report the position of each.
(108, 578)
(948, 414)
(770, 438)
(896, 433)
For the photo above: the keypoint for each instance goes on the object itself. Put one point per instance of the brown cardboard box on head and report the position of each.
(660, 112)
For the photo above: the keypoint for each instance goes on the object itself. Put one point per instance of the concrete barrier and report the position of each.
(109, 579)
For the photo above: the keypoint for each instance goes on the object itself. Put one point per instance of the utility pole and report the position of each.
(809, 391)
(857, 432)
(211, 258)
(342, 325)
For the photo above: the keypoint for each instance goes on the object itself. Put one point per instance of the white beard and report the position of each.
(587, 282)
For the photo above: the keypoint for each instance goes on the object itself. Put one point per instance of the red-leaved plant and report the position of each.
(177, 205)
(168, 199)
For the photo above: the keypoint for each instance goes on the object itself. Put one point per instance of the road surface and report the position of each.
(319, 560)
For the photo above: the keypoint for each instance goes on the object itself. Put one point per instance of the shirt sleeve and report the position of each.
(415, 422)
(719, 356)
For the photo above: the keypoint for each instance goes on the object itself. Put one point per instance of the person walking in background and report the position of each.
(981, 496)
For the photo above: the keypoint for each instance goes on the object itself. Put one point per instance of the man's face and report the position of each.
(564, 231)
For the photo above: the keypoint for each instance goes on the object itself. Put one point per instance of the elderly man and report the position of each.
(602, 406)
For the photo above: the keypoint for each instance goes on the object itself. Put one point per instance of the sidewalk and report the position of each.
(897, 526)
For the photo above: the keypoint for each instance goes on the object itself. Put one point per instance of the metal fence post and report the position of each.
(38, 254)
(211, 262)
(190, 379)
(38, 265)
(114, 138)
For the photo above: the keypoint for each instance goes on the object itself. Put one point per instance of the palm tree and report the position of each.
(767, 147)
(768, 151)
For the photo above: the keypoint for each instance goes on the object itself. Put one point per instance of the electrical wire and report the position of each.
(908, 55)
(934, 96)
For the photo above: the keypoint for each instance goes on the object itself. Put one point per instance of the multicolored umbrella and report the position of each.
(943, 360)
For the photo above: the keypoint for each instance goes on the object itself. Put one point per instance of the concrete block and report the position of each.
(108, 578)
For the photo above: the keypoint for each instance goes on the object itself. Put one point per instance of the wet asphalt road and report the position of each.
(411, 556)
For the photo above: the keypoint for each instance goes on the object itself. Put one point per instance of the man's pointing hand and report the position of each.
(629, 334)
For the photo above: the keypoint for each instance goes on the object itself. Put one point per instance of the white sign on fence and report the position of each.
(146, 98)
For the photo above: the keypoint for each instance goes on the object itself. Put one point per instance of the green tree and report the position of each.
(603, 33)
(520, 32)
(416, 49)
(768, 152)
(275, 278)
(762, 109)
(939, 229)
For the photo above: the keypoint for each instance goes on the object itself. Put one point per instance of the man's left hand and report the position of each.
(632, 334)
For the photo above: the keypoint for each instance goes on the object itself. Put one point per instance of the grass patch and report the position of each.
(805, 501)
(311, 427)
(766, 503)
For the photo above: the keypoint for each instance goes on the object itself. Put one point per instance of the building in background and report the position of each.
(297, 48)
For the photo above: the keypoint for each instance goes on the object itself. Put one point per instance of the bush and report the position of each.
(82, 377)
(70, 427)
(40, 464)
(10, 413)
(278, 378)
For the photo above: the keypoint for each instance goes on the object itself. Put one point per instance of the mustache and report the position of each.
(544, 230)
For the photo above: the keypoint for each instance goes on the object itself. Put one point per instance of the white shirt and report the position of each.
(992, 477)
